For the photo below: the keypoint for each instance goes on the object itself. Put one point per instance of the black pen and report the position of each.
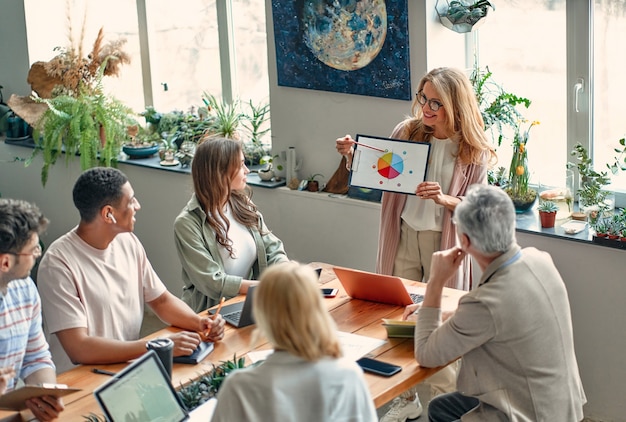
(102, 372)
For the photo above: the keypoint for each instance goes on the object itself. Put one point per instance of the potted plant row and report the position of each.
(611, 231)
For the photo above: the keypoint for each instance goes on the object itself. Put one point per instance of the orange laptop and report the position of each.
(378, 288)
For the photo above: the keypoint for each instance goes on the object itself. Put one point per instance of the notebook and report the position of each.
(143, 392)
(238, 314)
(198, 355)
(378, 288)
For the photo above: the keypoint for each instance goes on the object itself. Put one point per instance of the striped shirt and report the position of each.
(22, 343)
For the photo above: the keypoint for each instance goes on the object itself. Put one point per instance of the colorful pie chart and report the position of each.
(390, 165)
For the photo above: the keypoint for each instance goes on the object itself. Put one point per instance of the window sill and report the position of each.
(525, 223)
(155, 163)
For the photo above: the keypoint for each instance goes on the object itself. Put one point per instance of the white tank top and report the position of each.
(244, 248)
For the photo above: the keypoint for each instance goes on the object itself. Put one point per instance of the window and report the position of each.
(540, 49)
(176, 46)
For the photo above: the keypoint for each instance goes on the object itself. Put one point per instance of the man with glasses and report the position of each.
(24, 351)
(96, 280)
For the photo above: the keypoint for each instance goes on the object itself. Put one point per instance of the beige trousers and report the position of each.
(415, 252)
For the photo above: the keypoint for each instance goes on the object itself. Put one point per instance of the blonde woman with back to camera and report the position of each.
(305, 378)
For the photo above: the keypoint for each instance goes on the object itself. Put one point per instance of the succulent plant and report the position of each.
(548, 206)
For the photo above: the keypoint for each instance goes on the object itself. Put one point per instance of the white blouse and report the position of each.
(424, 214)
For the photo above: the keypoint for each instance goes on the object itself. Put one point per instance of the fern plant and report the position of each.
(90, 123)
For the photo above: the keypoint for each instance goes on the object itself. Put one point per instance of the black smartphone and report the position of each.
(329, 292)
(378, 367)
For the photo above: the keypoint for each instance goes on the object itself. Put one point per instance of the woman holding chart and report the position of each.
(412, 227)
(305, 378)
(221, 238)
(444, 113)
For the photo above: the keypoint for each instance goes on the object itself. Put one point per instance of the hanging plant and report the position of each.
(463, 15)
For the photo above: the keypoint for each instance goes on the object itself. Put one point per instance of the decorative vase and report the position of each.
(523, 197)
(547, 219)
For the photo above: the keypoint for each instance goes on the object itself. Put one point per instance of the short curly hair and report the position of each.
(95, 188)
(19, 220)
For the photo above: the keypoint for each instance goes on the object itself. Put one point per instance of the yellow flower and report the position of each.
(519, 170)
(521, 148)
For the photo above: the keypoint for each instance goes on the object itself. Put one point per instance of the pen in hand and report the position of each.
(217, 312)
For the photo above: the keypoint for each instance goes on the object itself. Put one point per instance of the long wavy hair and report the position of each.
(214, 165)
(289, 311)
(463, 116)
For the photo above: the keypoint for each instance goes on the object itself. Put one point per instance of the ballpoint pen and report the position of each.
(102, 372)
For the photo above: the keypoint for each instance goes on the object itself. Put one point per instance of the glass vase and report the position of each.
(523, 197)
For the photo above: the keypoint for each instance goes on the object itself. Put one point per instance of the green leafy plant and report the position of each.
(89, 123)
(497, 106)
(619, 162)
(207, 385)
(591, 190)
(547, 206)
(256, 123)
(226, 116)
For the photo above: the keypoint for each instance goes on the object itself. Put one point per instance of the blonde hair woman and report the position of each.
(305, 378)
(445, 113)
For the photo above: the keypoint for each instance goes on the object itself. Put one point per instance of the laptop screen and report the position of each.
(141, 392)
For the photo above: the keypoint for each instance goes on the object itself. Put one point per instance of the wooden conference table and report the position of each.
(353, 316)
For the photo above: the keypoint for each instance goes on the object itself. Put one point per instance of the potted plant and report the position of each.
(547, 213)
(591, 193)
(312, 184)
(206, 386)
(80, 118)
(463, 15)
(256, 122)
(517, 187)
(89, 123)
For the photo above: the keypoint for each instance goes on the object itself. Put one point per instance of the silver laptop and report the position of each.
(239, 314)
(142, 392)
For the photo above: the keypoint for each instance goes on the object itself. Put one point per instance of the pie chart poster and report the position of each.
(348, 46)
(389, 164)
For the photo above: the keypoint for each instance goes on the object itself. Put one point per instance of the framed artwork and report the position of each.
(349, 46)
(389, 164)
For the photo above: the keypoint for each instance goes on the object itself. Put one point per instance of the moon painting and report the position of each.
(348, 46)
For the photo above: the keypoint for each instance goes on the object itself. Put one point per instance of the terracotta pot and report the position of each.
(547, 219)
(313, 186)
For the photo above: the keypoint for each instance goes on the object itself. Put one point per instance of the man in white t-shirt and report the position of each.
(95, 280)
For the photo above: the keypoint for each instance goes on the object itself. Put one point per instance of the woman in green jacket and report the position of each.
(221, 238)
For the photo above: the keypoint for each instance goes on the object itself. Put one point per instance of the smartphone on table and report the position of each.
(329, 292)
(378, 367)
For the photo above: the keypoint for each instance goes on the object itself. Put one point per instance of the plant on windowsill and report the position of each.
(463, 15)
(547, 213)
(79, 117)
(312, 184)
(591, 193)
(517, 186)
(498, 107)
